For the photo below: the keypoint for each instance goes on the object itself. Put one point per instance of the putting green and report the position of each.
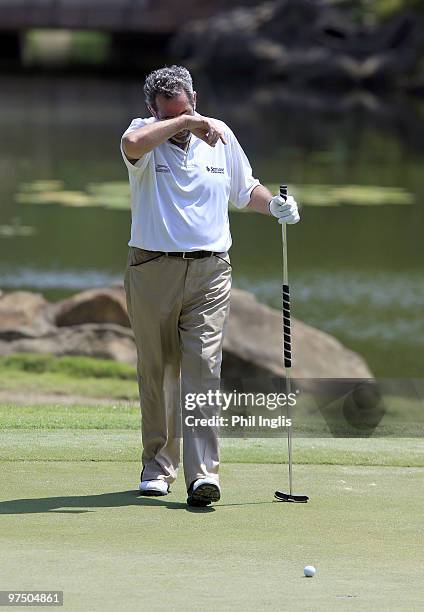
(79, 526)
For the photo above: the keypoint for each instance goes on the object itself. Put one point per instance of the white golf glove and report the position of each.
(286, 211)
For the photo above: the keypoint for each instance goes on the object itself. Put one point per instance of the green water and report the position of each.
(355, 269)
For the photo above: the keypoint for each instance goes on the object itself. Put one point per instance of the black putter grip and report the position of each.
(286, 326)
(283, 191)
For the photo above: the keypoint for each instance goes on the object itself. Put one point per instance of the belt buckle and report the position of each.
(185, 256)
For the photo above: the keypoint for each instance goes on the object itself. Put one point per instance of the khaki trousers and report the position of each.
(178, 309)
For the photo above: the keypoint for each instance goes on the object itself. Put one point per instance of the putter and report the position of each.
(281, 495)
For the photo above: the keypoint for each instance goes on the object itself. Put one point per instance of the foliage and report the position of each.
(54, 46)
(385, 8)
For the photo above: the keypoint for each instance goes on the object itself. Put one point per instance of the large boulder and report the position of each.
(23, 314)
(106, 305)
(95, 323)
(254, 338)
(100, 340)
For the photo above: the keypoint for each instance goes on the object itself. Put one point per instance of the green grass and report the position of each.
(80, 367)
(66, 376)
(81, 528)
(107, 444)
(111, 432)
(70, 417)
(72, 519)
(90, 387)
(402, 417)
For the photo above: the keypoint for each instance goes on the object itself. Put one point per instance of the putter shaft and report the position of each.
(287, 354)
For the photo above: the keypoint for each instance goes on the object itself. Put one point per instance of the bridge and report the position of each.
(136, 28)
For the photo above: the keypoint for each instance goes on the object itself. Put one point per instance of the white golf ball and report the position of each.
(309, 571)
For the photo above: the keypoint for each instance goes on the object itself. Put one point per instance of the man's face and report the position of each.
(169, 108)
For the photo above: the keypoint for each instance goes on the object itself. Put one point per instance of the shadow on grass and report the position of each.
(80, 504)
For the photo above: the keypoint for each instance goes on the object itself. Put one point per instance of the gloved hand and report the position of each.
(286, 211)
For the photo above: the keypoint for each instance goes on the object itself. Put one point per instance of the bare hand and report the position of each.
(206, 129)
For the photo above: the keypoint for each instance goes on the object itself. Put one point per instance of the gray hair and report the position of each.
(168, 82)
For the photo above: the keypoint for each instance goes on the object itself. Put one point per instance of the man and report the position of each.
(183, 170)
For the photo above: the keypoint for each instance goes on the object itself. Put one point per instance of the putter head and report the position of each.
(287, 497)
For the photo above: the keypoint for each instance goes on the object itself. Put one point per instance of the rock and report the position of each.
(103, 341)
(252, 343)
(258, 352)
(23, 314)
(106, 305)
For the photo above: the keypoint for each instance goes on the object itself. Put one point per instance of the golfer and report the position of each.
(183, 170)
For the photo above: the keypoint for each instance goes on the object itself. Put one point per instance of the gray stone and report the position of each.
(105, 305)
(100, 340)
(252, 343)
(23, 314)
(254, 338)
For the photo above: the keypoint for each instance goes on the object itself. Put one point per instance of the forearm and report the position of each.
(259, 199)
(146, 138)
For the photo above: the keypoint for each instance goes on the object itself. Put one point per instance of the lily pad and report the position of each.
(12, 231)
(109, 187)
(116, 195)
(111, 194)
(337, 195)
(42, 185)
(107, 195)
(65, 198)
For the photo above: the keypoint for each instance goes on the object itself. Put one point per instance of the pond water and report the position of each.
(355, 260)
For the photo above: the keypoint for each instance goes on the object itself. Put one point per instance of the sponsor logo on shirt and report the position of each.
(215, 170)
(162, 168)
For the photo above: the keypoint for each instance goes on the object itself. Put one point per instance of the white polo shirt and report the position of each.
(179, 199)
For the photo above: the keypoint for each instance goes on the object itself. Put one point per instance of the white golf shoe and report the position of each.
(154, 488)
